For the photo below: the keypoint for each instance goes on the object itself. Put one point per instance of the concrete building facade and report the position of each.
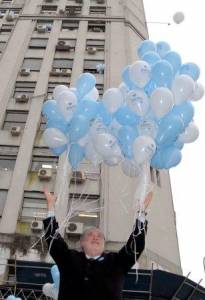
(44, 43)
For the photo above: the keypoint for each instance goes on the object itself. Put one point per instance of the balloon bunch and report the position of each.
(51, 289)
(147, 119)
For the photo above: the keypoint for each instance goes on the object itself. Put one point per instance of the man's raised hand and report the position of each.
(50, 198)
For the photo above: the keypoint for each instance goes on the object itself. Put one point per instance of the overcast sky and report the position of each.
(188, 179)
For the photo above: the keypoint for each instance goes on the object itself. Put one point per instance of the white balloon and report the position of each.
(96, 128)
(124, 89)
(144, 148)
(190, 134)
(182, 88)
(114, 127)
(178, 17)
(112, 99)
(138, 102)
(92, 155)
(47, 289)
(93, 94)
(59, 89)
(106, 145)
(113, 160)
(162, 101)
(147, 127)
(84, 140)
(130, 168)
(140, 73)
(198, 92)
(67, 102)
(54, 138)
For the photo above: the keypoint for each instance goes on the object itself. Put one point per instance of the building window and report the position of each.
(59, 63)
(158, 178)
(100, 88)
(69, 25)
(73, 10)
(96, 26)
(3, 196)
(6, 1)
(15, 118)
(86, 203)
(34, 205)
(8, 156)
(2, 46)
(90, 65)
(24, 87)
(38, 43)
(43, 26)
(6, 28)
(48, 8)
(98, 44)
(2, 12)
(97, 10)
(34, 64)
(52, 85)
(46, 162)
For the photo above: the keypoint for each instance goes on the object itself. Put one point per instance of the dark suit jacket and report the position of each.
(101, 279)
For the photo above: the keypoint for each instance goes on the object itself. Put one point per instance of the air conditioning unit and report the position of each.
(25, 72)
(37, 226)
(15, 130)
(97, 29)
(22, 98)
(45, 174)
(100, 1)
(91, 50)
(63, 46)
(10, 16)
(71, 12)
(41, 28)
(74, 228)
(78, 177)
(61, 12)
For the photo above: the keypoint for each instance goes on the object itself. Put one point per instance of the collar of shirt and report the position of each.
(92, 257)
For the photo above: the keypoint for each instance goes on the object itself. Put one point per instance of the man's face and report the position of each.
(93, 242)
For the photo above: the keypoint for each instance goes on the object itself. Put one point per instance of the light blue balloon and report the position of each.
(58, 150)
(190, 69)
(174, 59)
(156, 161)
(163, 48)
(76, 155)
(162, 73)
(185, 111)
(60, 124)
(55, 275)
(169, 128)
(166, 158)
(104, 115)
(11, 297)
(125, 116)
(88, 108)
(171, 157)
(146, 46)
(79, 126)
(151, 57)
(85, 84)
(126, 137)
(178, 144)
(126, 78)
(150, 87)
(51, 112)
